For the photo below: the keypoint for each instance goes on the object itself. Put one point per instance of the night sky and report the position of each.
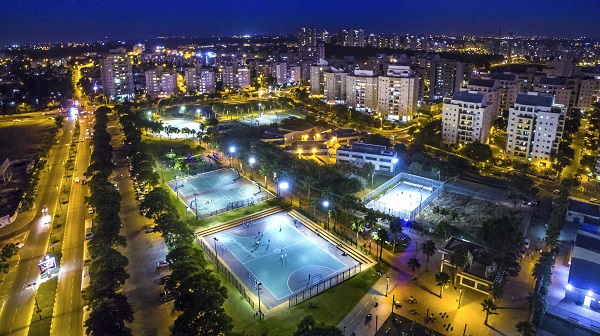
(32, 21)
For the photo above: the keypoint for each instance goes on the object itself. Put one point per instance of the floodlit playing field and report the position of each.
(280, 253)
(217, 191)
(402, 199)
(265, 119)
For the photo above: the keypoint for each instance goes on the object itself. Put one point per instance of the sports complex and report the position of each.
(217, 191)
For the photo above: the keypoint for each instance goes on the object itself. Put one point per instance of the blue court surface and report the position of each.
(217, 191)
(281, 254)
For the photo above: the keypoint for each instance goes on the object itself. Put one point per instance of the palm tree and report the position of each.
(369, 170)
(428, 248)
(496, 291)
(442, 279)
(308, 181)
(526, 328)
(335, 214)
(380, 239)
(358, 225)
(395, 228)
(489, 307)
(414, 265)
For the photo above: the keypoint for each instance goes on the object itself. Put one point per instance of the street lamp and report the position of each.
(394, 162)
(259, 105)
(284, 186)
(459, 297)
(216, 253)
(196, 204)
(387, 284)
(252, 161)
(231, 152)
(258, 284)
(326, 205)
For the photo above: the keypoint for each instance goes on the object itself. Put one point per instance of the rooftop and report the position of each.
(504, 76)
(368, 149)
(534, 100)
(489, 83)
(553, 81)
(469, 97)
(589, 209)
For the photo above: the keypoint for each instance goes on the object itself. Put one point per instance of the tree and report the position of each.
(369, 170)
(415, 168)
(395, 228)
(358, 225)
(414, 265)
(156, 203)
(309, 327)
(526, 328)
(428, 248)
(477, 151)
(442, 279)
(381, 238)
(489, 307)
(377, 139)
(496, 291)
(108, 316)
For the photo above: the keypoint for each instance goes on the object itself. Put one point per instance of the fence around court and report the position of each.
(236, 205)
(323, 285)
(436, 186)
(228, 274)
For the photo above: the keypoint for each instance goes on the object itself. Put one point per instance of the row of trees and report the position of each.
(198, 294)
(109, 306)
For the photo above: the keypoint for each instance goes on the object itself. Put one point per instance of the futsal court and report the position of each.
(279, 253)
(265, 119)
(401, 200)
(217, 191)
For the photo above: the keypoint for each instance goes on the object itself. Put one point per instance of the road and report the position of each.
(17, 307)
(68, 308)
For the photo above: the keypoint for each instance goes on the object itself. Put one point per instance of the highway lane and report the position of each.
(17, 309)
(68, 308)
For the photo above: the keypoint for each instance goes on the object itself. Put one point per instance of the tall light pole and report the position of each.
(231, 152)
(252, 161)
(284, 186)
(326, 205)
(387, 285)
(216, 252)
(196, 204)
(258, 284)
(459, 297)
(259, 105)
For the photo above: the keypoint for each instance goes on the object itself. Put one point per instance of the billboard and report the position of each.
(49, 263)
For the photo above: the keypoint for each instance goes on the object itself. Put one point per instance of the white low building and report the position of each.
(359, 154)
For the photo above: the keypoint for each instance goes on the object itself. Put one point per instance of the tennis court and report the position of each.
(402, 199)
(280, 254)
(217, 191)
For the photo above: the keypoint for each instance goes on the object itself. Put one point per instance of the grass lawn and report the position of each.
(21, 140)
(181, 147)
(46, 294)
(330, 307)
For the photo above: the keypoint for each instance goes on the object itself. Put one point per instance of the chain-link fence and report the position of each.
(323, 285)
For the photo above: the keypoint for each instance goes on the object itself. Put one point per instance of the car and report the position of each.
(77, 180)
(521, 254)
(45, 209)
(162, 263)
(19, 245)
(526, 243)
(556, 191)
(163, 280)
(166, 296)
(594, 200)
(83, 182)
(151, 229)
(91, 210)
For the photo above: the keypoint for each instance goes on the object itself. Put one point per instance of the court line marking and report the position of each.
(288, 280)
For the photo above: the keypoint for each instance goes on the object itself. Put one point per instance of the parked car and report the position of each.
(19, 245)
(45, 209)
(556, 191)
(162, 263)
(151, 229)
(594, 200)
(77, 180)
(526, 243)
(91, 209)
(521, 254)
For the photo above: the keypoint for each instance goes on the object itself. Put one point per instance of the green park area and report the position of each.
(41, 320)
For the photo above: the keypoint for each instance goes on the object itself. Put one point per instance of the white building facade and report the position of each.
(466, 117)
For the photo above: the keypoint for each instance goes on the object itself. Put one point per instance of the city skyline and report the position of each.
(132, 20)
